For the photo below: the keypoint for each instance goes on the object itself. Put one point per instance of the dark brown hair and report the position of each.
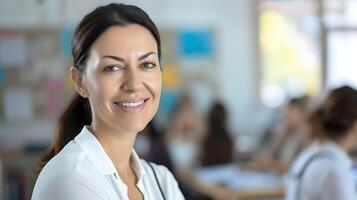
(78, 113)
(336, 116)
(300, 103)
(217, 146)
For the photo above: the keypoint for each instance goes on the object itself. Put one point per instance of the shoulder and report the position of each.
(328, 170)
(337, 172)
(321, 167)
(68, 171)
(68, 160)
(67, 186)
(337, 183)
(329, 163)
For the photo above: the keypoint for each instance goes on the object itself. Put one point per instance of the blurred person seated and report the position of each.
(183, 136)
(286, 142)
(218, 176)
(152, 146)
(324, 170)
(184, 133)
(217, 146)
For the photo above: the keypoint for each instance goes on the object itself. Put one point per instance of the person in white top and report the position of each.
(323, 171)
(117, 76)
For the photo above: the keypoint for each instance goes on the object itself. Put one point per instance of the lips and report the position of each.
(131, 105)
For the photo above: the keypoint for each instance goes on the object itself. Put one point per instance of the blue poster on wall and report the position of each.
(65, 38)
(195, 43)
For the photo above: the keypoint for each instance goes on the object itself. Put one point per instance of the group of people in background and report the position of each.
(308, 146)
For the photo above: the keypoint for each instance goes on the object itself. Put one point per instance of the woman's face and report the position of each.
(123, 79)
(294, 116)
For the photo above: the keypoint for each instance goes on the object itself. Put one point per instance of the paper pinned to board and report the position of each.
(18, 104)
(13, 49)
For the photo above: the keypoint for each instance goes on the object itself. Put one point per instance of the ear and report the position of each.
(79, 82)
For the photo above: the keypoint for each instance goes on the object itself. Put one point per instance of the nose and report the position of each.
(132, 81)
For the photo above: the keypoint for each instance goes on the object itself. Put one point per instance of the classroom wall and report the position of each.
(235, 22)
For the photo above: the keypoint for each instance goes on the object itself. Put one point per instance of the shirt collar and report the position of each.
(137, 165)
(100, 158)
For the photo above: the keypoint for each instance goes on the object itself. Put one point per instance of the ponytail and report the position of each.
(75, 116)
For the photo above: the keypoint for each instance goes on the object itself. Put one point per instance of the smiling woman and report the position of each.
(122, 82)
(117, 76)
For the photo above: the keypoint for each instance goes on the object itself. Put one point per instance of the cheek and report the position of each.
(154, 87)
(100, 85)
(153, 82)
(100, 90)
(156, 84)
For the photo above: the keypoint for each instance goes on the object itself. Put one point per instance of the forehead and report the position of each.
(124, 39)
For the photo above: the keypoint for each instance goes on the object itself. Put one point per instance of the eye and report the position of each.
(148, 65)
(111, 68)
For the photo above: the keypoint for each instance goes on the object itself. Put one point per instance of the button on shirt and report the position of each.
(83, 170)
(325, 178)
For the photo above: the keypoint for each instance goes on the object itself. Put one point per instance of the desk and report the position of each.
(242, 184)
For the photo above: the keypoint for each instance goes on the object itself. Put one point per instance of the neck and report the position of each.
(346, 142)
(118, 145)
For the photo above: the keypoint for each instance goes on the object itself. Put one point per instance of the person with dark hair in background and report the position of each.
(184, 133)
(157, 151)
(217, 146)
(324, 170)
(117, 76)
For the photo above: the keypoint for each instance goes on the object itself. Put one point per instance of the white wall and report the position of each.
(235, 22)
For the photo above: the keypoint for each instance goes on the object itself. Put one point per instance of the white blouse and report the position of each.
(83, 170)
(325, 178)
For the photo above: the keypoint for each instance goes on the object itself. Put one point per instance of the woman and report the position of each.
(184, 133)
(157, 151)
(324, 170)
(287, 141)
(117, 74)
(217, 147)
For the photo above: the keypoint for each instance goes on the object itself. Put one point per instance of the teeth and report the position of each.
(132, 104)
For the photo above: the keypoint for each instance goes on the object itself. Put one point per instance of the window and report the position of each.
(290, 51)
(341, 24)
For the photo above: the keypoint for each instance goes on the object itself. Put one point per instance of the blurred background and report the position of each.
(237, 74)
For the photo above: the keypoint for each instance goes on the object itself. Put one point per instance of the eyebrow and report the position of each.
(120, 59)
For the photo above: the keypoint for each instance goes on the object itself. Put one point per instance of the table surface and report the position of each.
(247, 184)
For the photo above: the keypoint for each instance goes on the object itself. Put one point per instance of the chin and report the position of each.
(134, 128)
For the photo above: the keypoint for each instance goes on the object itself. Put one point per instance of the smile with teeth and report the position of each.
(131, 104)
